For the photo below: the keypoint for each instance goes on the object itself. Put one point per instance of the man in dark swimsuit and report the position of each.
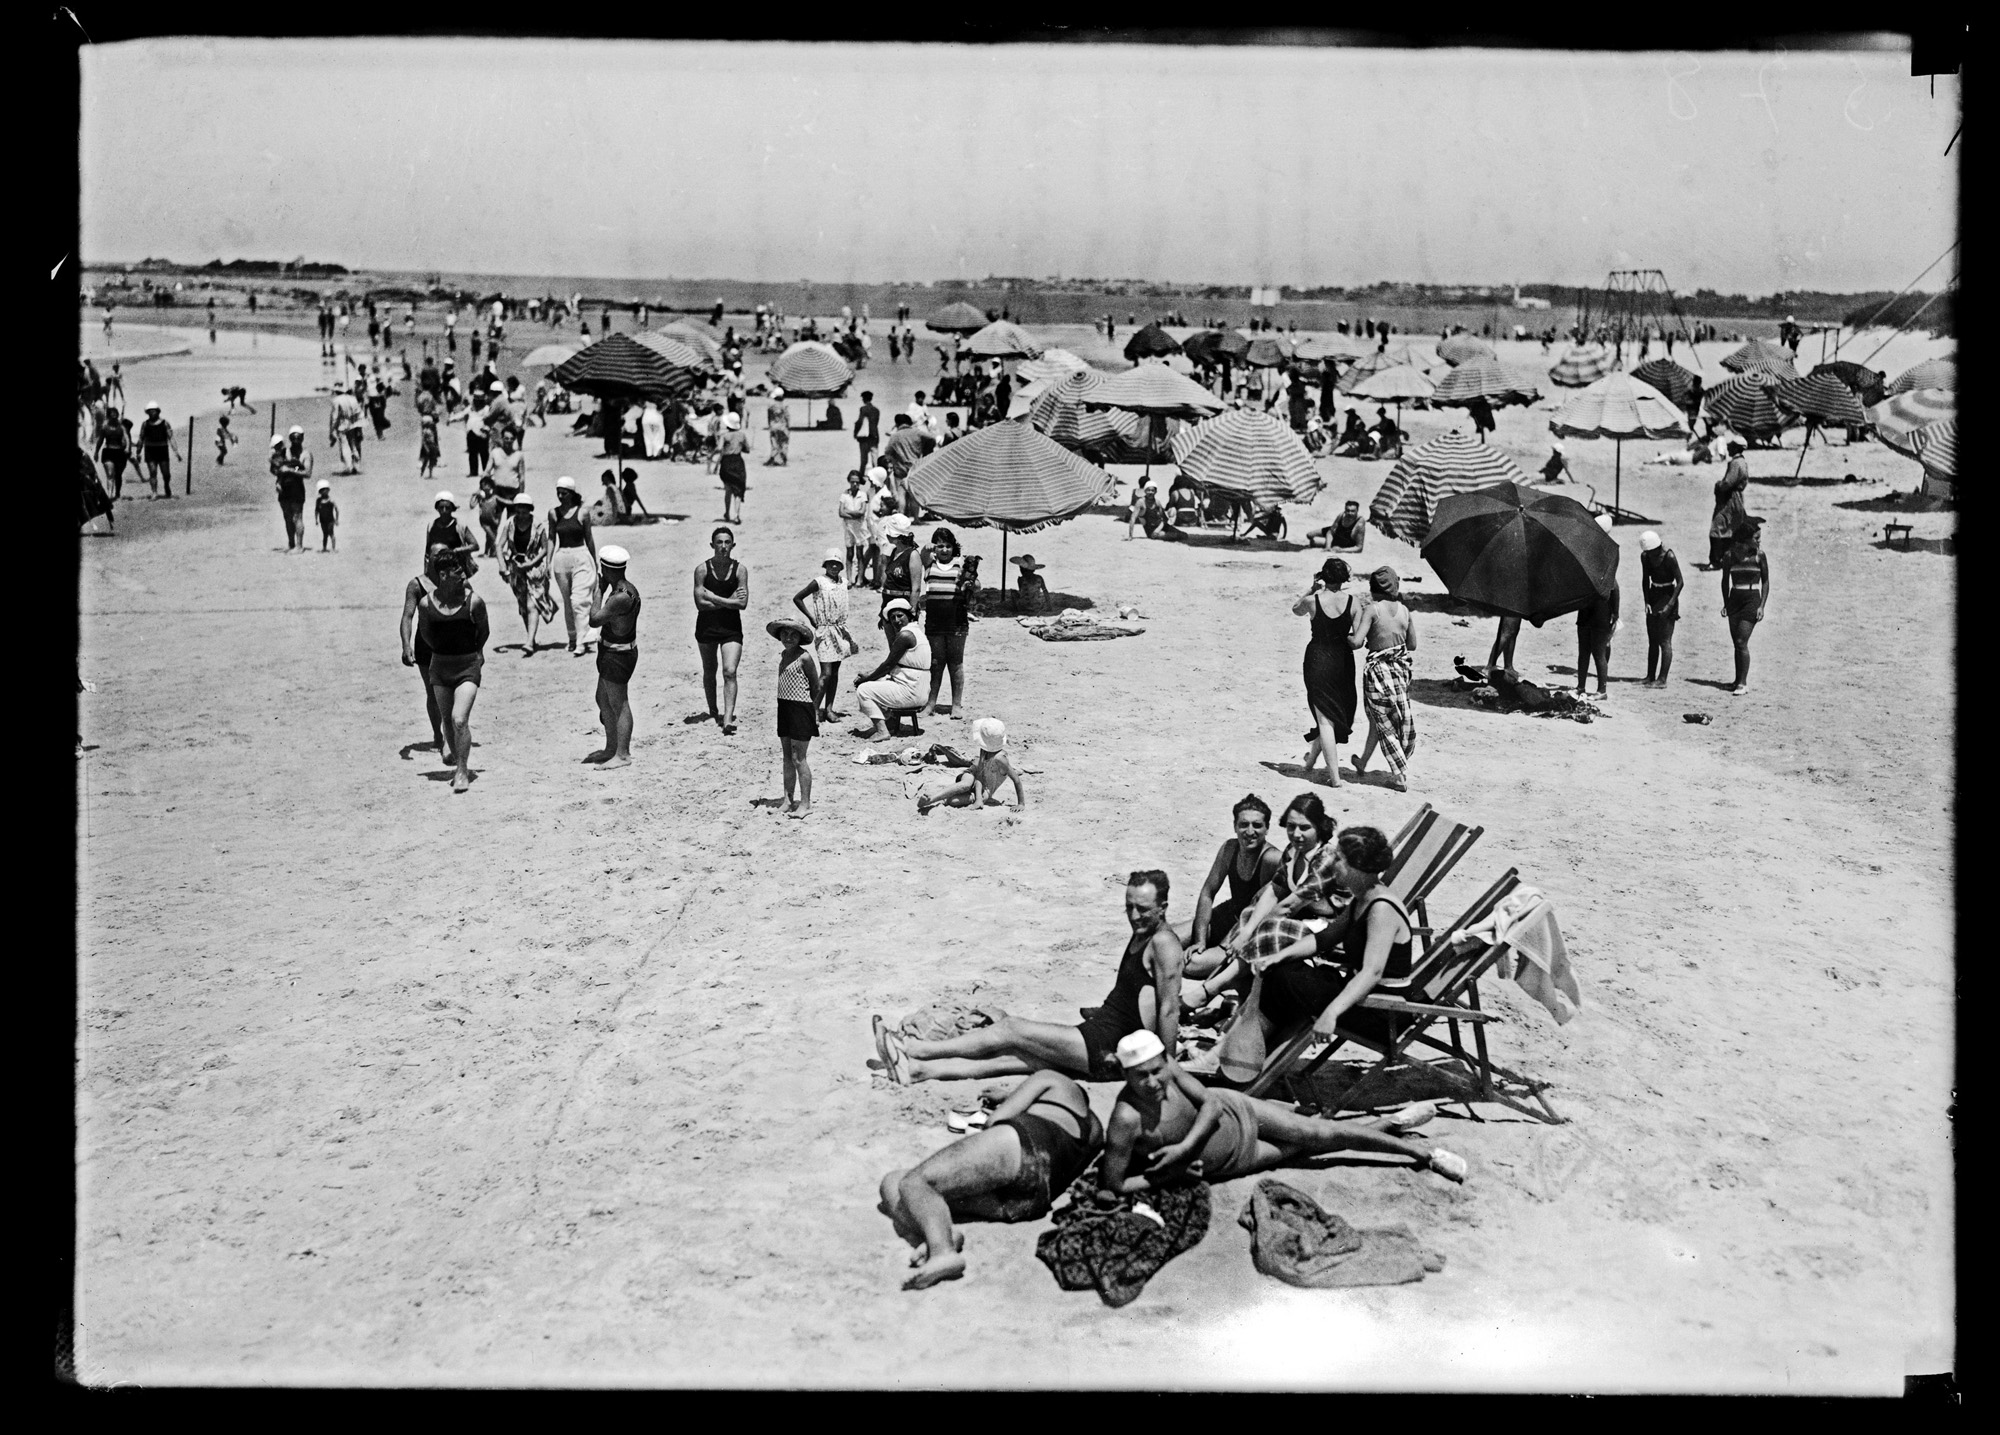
(1013, 1046)
(614, 610)
(290, 482)
(1037, 1141)
(867, 429)
(1175, 1127)
(1346, 534)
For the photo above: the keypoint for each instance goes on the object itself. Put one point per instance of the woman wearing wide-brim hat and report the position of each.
(730, 447)
(1031, 584)
(798, 708)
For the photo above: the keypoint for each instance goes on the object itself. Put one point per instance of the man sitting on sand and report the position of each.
(1176, 1127)
(980, 784)
(1036, 1143)
(1150, 968)
(1346, 534)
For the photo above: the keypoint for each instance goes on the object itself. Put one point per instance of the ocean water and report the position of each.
(190, 383)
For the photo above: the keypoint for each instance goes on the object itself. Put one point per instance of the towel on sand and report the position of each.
(1539, 960)
(1116, 1252)
(1296, 1240)
(947, 1017)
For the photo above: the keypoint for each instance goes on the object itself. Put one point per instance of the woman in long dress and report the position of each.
(1329, 666)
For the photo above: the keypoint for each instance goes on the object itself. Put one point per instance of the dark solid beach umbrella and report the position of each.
(1206, 347)
(1268, 351)
(1250, 455)
(1431, 472)
(1762, 354)
(1151, 342)
(1007, 476)
(1870, 386)
(621, 370)
(1482, 379)
(956, 318)
(1930, 374)
(1747, 404)
(1581, 367)
(1520, 552)
(1461, 348)
(1669, 378)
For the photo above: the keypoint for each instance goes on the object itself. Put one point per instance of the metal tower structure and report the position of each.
(1633, 302)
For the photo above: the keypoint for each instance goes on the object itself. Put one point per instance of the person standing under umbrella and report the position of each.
(1746, 588)
(1660, 586)
(1482, 416)
(1730, 514)
(1388, 631)
(945, 617)
(1329, 666)
(721, 593)
(1596, 621)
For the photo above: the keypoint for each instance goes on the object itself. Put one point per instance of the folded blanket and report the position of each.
(1296, 1240)
(1116, 1252)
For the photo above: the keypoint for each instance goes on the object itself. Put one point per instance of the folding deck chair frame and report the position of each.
(1450, 979)
(1426, 850)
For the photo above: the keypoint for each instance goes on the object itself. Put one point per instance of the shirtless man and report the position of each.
(1036, 1143)
(980, 783)
(1149, 975)
(614, 611)
(1173, 1126)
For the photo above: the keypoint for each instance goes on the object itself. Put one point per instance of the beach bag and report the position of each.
(545, 604)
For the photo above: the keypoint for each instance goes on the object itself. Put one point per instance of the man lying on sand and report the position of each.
(1180, 1127)
(1036, 1143)
(1149, 975)
(980, 783)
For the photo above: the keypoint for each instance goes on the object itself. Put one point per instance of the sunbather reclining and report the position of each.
(1171, 1126)
(1036, 1143)
(1146, 994)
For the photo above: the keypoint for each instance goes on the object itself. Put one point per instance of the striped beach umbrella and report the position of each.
(1870, 386)
(1251, 455)
(1451, 463)
(1619, 407)
(1937, 448)
(678, 351)
(1581, 366)
(1002, 340)
(1318, 347)
(548, 356)
(956, 318)
(811, 370)
(1059, 412)
(1053, 365)
(1520, 552)
(1930, 374)
(1393, 386)
(1669, 378)
(1747, 404)
(619, 367)
(1151, 342)
(1900, 419)
(1482, 379)
(1130, 438)
(1459, 348)
(1268, 351)
(1762, 354)
(698, 336)
(1821, 399)
(1155, 389)
(1009, 477)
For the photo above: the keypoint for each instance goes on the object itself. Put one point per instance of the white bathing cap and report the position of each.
(1604, 521)
(1140, 1047)
(992, 734)
(1649, 539)
(444, 496)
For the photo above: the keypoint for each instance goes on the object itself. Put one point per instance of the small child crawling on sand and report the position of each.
(982, 780)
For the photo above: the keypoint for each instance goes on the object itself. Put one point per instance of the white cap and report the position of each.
(566, 482)
(731, 421)
(295, 429)
(324, 483)
(444, 496)
(992, 734)
(777, 393)
(1649, 539)
(834, 555)
(1138, 1048)
(895, 605)
(277, 440)
(150, 408)
(612, 556)
(1604, 521)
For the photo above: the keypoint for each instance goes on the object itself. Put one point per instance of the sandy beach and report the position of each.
(563, 1081)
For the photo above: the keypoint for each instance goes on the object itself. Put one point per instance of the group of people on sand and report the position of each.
(1303, 936)
(1379, 626)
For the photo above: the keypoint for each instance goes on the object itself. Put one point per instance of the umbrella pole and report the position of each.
(1617, 477)
(1802, 454)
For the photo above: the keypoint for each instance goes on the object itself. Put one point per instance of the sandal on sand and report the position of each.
(881, 1029)
(1452, 1168)
(899, 1061)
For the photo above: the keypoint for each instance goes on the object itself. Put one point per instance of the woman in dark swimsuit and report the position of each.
(721, 593)
(1247, 862)
(1036, 1143)
(451, 622)
(416, 651)
(1329, 666)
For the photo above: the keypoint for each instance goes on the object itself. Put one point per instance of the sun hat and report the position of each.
(444, 496)
(1736, 446)
(731, 421)
(897, 525)
(277, 440)
(1384, 582)
(1649, 540)
(324, 483)
(566, 482)
(295, 430)
(896, 605)
(152, 408)
(1027, 562)
(518, 497)
(1138, 1048)
(1604, 521)
(778, 627)
(834, 555)
(877, 473)
(776, 392)
(992, 734)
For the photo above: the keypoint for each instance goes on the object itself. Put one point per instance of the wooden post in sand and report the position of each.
(187, 479)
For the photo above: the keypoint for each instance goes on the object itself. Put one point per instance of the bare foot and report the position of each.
(460, 783)
(599, 756)
(936, 1270)
(803, 810)
(617, 760)
(923, 1251)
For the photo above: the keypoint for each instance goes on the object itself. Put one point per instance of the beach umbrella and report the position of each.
(1821, 399)
(810, 370)
(956, 318)
(1669, 378)
(1581, 366)
(1482, 379)
(620, 369)
(677, 350)
(1762, 354)
(1129, 438)
(1397, 386)
(1151, 342)
(1268, 351)
(1870, 386)
(1520, 552)
(1747, 404)
(1320, 347)
(1155, 389)
(1058, 411)
(1250, 455)
(1002, 340)
(1053, 365)
(699, 336)
(1451, 463)
(1937, 449)
(548, 356)
(1211, 346)
(1619, 407)
(1900, 419)
(1007, 476)
(1460, 348)
(1930, 374)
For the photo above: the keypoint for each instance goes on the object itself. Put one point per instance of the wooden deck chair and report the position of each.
(1427, 848)
(1447, 983)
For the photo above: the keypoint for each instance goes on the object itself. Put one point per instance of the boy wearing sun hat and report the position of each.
(979, 783)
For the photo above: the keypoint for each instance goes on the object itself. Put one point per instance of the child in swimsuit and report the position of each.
(225, 438)
(981, 782)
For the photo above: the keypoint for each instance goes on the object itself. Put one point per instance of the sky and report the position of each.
(1299, 166)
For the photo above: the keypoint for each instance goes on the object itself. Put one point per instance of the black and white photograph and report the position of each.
(1053, 709)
